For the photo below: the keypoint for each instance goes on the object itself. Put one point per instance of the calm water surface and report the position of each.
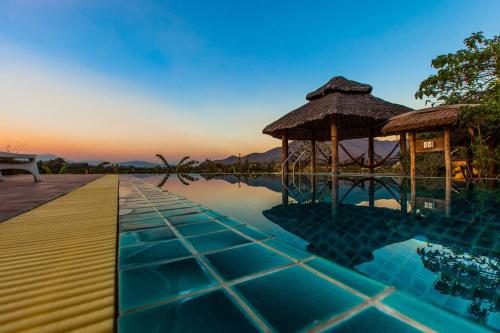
(440, 243)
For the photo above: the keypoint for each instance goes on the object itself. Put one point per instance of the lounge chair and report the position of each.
(9, 161)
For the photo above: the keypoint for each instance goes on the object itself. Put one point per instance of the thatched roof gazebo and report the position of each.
(429, 119)
(439, 118)
(340, 109)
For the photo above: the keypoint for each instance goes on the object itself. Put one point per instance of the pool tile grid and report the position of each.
(327, 323)
(249, 312)
(367, 303)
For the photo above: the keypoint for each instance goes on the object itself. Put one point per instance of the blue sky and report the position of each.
(233, 66)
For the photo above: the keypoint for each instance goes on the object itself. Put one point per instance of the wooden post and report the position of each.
(335, 192)
(413, 153)
(335, 145)
(371, 153)
(314, 182)
(284, 151)
(371, 193)
(313, 156)
(447, 197)
(402, 151)
(403, 195)
(413, 195)
(447, 151)
(284, 190)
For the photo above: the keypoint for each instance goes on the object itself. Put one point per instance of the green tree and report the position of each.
(470, 76)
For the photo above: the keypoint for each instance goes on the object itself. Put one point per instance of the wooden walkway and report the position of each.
(57, 263)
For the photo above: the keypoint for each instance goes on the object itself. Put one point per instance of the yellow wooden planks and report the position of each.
(57, 263)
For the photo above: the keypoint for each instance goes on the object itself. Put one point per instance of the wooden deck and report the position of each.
(19, 194)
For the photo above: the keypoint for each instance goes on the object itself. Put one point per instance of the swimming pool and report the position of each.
(440, 245)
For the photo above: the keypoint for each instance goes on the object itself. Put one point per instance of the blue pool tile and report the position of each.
(155, 283)
(348, 277)
(295, 299)
(179, 211)
(374, 321)
(179, 205)
(214, 213)
(191, 218)
(212, 312)
(137, 211)
(144, 254)
(245, 260)
(228, 221)
(292, 251)
(138, 225)
(217, 241)
(146, 236)
(139, 217)
(430, 315)
(253, 233)
(200, 228)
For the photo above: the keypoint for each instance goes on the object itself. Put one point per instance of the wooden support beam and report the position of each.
(413, 153)
(402, 151)
(284, 190)
(413, 195)
(447, 198)
(371, 193)
(314, 183)
(371, 152)
(335, 192)
(334, 130)
(403, 194)
(284, 151)
(447, 151)
(313, 155)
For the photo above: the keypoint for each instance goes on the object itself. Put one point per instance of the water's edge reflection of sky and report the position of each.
(440, 244)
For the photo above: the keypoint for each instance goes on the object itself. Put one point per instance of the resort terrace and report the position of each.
(117, 253)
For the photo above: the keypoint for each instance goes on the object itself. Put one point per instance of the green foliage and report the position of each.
(57, 165)
(164, 160)
(470, 75)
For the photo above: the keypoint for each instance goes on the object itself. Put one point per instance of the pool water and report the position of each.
(439, 244)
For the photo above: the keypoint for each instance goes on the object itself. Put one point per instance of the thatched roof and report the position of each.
(428, 119)
(350, 102)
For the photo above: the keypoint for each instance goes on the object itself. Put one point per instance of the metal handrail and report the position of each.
(287, 159)
(298, 159)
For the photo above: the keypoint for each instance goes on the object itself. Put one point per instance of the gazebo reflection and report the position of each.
(356, 218)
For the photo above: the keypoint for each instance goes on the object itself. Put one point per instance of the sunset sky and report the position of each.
(124, 80)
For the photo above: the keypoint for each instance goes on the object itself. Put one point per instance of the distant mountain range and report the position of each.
(137, 164)
(356, 148)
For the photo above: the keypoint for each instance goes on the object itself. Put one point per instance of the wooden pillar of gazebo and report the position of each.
(334, 130)
(313, 156)
(402, 151)
(284, 152)
(413, 153)
(371, 152)
(447, 151)
(335, 192)
(371, 193)
(403, 195)
(284, 190)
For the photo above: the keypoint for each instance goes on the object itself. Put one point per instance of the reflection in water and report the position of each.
(438, 242)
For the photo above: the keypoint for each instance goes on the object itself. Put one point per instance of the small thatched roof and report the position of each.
(428, 119)
(349, 101)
